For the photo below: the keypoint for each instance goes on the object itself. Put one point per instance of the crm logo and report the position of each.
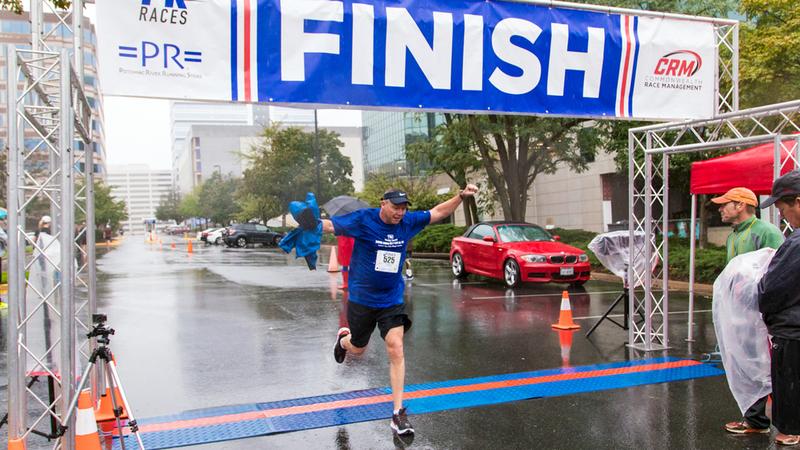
(173, 12)
(681, 63)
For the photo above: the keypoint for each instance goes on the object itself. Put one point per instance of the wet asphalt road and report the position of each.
(230, 326)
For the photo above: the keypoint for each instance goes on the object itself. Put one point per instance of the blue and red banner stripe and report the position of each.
(243, 50)
(629, 31)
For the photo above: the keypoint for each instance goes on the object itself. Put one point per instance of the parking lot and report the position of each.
(221, 327)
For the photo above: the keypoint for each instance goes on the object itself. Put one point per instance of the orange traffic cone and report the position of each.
(105, 411)
(16, 444)
(189, 246)
(86, 437)
(565, 342)
(333, 263)
(565, 316)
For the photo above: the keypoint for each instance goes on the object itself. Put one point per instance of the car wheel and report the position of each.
(511, 273)
(218, 241)
(241, 242)
(458, 266)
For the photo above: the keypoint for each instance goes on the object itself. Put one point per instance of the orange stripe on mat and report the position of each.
(292, 410)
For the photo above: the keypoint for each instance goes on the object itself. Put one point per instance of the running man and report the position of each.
(376, 283)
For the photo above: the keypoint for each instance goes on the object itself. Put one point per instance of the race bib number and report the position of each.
(387, 262)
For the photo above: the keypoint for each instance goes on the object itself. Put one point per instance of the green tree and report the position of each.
(16, 5)
(190, 204)
(283, 168)
(169, 207)
(420, 191)
(450, 151)
(770, 52)
(514, 150)
(254, 206)
(217, 198)
(107, 211)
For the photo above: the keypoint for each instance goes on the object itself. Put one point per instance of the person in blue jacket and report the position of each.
(376, 282)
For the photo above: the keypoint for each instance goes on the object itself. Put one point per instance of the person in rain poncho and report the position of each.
(737, 207)
(43, 299)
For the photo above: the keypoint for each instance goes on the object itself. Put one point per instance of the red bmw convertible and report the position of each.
(517, 252)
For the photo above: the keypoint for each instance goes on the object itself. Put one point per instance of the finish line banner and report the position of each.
(444, 55)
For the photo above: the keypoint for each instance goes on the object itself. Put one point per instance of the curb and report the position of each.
(674, 285)
(699, 288)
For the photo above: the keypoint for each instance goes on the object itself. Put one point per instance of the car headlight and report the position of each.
(583, 258)
(534, 258)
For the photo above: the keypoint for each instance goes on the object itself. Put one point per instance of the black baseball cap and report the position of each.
(396, 196)
(784, 186)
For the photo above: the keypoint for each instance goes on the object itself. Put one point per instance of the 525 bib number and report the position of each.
(388, 262)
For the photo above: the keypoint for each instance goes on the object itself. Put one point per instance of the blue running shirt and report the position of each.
(378, 254)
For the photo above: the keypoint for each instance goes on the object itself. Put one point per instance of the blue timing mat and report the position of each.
(259, 419)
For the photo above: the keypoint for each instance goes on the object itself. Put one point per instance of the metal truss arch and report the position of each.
(650, 148)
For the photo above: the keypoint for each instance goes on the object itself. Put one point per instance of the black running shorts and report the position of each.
(363, 319)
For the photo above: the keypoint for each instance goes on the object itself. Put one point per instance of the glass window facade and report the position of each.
(386, 135)
(15, 26)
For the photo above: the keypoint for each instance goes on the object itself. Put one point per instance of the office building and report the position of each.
(142, 190)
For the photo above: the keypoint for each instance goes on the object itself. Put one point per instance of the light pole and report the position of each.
(317, 152)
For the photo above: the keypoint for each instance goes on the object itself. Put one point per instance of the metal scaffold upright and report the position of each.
(49, 135)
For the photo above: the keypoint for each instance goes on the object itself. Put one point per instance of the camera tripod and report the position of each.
(623, 297)
(102, 352)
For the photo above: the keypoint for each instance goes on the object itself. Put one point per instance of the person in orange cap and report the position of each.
(737, 207)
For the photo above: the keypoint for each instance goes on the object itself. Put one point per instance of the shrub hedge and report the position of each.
(437, 238)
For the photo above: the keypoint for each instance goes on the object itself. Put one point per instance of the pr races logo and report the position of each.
(161, 58)
(174, 11)
(166, 56)
(675, 71)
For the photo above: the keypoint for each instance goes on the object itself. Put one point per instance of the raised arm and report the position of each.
(448, 207)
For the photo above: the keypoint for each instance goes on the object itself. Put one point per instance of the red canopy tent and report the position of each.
(751, 168)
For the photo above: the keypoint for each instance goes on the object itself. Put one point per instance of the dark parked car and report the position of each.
(241, 234)
(517, 252)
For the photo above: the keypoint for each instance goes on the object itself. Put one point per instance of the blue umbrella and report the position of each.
(343, 204)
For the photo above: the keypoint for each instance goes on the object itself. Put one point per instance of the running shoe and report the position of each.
(338, 351)
(400, 423)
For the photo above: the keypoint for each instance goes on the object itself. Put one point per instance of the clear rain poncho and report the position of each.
(741, 333)
(43, 301)
(613, 251)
